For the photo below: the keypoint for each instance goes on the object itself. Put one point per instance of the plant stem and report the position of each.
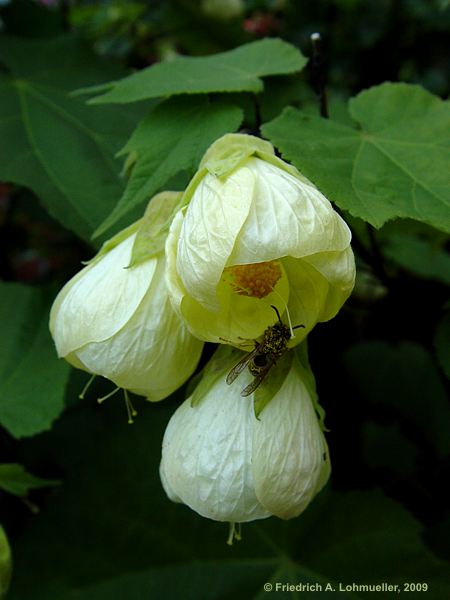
(318, 74)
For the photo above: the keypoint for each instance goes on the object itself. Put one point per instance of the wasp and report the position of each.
(265, 354)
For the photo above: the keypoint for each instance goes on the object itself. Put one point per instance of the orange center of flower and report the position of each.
(257, 280)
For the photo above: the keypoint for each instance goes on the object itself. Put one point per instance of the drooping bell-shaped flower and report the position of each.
(115, 319)
(255, 233)
(229, 465)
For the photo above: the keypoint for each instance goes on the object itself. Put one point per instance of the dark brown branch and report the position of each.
(318, 74)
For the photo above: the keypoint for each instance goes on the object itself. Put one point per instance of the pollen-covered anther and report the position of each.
(257, 280)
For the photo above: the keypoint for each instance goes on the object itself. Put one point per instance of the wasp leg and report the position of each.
(246, 345)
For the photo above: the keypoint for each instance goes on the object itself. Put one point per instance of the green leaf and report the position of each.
(387, 447)
(394, 161)
(32, 379)
(160, 549)
(172, 138)
(237, 70)
(442, 343)
(16, 480)
(437, 537)
(361, 538)
(280, 92)
(419, 256)
(405, 378)
(57, 146)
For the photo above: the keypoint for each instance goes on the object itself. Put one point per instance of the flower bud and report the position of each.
(5, 563)
(255, 233)
(114, 318)
(228, 465)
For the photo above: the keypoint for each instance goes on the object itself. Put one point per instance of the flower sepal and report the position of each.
(303, 367)
(153, 228)
(231, 150)
(218, 365)
(113, 242)
(272, 383)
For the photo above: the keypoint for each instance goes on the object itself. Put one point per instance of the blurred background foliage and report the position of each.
(92, 521)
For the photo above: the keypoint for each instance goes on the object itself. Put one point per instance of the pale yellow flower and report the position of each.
(227, 465)
(255, 233)
(118, 322)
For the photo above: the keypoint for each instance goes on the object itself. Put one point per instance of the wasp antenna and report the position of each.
(291, 329)
(276, 310)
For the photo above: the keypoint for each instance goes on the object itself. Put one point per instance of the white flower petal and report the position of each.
(73, 360)
(338, 268)
(238, 317)
(290, 455)
(307, 296)
(153, 354)
(175, 286)
(287, 218)
(261, 211)
(213, 219)
(165, 483)
(97, 302)
(206, 456)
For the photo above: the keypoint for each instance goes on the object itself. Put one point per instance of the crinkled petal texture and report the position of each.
(290, 455)
(100, 299)
(119, 323)
(260, 213)
(288, 217)
(207, 456)
(228, 466)
(214, 219)
(239, 316)
(318, 287)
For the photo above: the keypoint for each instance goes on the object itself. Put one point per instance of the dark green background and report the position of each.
(108, 531)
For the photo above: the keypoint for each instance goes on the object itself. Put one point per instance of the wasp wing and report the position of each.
(258, 378)
(240, 366)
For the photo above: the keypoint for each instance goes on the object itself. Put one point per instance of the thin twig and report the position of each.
(318, 74)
